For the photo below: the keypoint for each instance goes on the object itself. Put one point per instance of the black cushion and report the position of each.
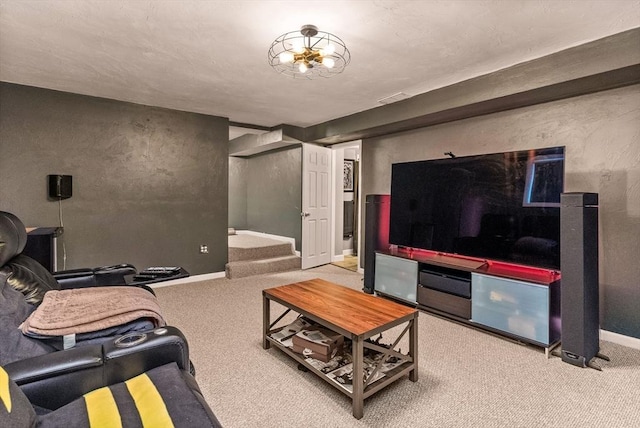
(30, 278)
(160, 397)
(13, 237)
(23, 273)
(14, 310)
(15, 409)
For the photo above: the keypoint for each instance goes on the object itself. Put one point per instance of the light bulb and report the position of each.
(328, 50)
(286, 57)
(302, 67)
(328, 62)
(297, 45)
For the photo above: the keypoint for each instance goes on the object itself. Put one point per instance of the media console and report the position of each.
(519, 302)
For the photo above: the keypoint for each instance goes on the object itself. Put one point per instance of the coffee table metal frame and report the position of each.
(307, 307)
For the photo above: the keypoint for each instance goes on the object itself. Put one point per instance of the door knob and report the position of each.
(304, 214)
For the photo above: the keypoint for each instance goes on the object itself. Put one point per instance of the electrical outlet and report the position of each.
(204, 249)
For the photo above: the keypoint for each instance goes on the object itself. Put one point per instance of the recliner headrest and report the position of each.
(13, 237)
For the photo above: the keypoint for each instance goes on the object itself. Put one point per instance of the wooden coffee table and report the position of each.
(356, 316)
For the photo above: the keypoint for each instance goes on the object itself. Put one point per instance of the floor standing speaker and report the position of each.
(376, 234)
(579, 268)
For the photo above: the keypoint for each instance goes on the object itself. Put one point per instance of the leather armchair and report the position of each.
(50, 387)
(76, 371)
(54, 385)
(23, 284)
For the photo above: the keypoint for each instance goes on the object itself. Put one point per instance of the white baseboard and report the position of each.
(194, 278)
(620, 339)
(347, 252)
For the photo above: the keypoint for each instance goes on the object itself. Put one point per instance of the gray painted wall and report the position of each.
(274, 193)
(238, 168)
(149, 184)
(600, 133)
(553, 76)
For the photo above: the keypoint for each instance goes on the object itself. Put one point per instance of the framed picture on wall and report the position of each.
(348, 176)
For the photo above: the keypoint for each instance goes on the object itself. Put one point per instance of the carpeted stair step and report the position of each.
(257, 253)
(241, 269)
(248, 247)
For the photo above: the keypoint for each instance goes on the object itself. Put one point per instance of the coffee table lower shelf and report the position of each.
(390, 376)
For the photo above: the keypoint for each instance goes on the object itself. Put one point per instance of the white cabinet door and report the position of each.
(516, 307)
(397, 277)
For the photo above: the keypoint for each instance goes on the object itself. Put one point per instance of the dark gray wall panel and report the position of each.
(274, 193)
(238, 168)
(149, 184)
(602, 64)
(600, 132)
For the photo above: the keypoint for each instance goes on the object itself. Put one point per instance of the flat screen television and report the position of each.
(499, 206)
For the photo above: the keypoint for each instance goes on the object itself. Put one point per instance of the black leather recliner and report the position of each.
(53, 379)
(56, 380)
(23, 285)
(161, 397)
(65, 388)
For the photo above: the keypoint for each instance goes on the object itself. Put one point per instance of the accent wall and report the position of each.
(150, 185)
(271, 183)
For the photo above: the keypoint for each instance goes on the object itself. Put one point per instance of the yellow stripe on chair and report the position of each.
(153, 412)
(102, 409)
(5, 394)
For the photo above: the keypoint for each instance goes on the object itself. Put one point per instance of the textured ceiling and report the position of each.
(211, 56)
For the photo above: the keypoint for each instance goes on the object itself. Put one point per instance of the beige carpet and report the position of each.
(467, 378)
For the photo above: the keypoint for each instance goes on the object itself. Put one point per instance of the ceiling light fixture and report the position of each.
(309, 53)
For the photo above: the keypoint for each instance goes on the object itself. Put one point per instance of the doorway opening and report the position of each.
(347, 203)
(350, 262)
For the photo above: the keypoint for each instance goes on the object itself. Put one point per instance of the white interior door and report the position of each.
(316, 205)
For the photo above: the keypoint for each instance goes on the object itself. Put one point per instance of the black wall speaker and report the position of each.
(376, 235)
(580, 280)
(60, 186)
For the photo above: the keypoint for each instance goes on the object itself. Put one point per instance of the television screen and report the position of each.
(500, 206)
